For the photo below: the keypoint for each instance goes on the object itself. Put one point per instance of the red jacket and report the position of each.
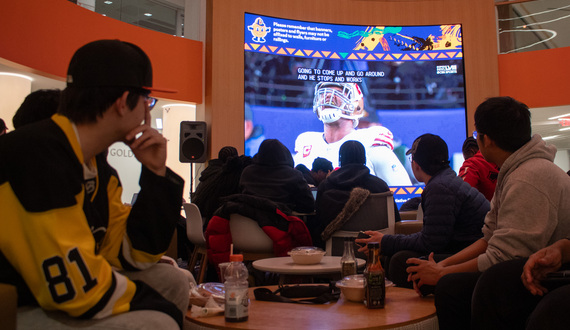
(480, 174)
(287, 232)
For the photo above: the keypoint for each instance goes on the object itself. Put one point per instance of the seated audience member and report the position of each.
(223, 184)
(412, 204)
(512, 294)
(38, 105)
(476, 171)
(453, 211)
(529, 211)
(307, 175)
(321, 169)
(202, 196)
(78, 256)
(272, 176)
(3, 127)
(334, 192)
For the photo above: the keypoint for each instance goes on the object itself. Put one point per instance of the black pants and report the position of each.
(396, 270)
(500, 301)
(497, 299)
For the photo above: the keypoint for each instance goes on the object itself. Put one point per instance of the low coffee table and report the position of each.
(286, 266)
(404, 310)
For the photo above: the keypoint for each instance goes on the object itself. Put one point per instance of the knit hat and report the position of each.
(111, 63)
(430, 152)
(352, 152)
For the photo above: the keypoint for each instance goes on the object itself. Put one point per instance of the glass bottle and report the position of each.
(348, 261)
(374, 278)
(236, 290)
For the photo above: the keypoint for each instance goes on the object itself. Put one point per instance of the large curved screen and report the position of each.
(393, 83)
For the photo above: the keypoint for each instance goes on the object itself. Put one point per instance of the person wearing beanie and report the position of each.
(334, 192)
(272, 176)
(78, 256)
(38, 105)
(453, 212)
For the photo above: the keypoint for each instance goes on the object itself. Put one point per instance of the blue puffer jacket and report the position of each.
(453, 217)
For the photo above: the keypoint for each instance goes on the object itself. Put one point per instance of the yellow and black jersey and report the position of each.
(64, 237)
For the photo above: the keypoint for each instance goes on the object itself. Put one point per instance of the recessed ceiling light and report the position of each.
(16, 75)
(108, 2)
(148, 14)
(550, 137)
(556, 117)
(564, 129)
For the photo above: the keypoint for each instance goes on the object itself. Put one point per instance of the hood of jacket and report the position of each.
(349, 176)
(535, 148)
(273, 153)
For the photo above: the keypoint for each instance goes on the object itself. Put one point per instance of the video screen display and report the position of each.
(314, 86)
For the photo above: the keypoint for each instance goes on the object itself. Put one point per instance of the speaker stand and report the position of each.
(191, 182)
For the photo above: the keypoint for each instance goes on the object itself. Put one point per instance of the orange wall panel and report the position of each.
(539, 78)
(224, 47)
(43, 35)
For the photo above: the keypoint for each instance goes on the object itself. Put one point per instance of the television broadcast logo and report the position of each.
(258, 30)
(446, 69)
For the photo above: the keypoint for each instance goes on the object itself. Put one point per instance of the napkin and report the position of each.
(211, 308)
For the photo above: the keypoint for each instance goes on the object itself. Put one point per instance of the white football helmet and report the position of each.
(338, 100)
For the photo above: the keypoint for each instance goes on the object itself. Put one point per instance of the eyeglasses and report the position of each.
(475, 135)
(150, 102)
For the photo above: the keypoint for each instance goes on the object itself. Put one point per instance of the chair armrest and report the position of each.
(407, 227)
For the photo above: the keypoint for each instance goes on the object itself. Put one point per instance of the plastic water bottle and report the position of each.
(236, 288)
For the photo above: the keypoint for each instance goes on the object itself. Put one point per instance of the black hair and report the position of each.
(226, 152)
(352, 152)
(505, 120)
(85, 104)
(470, 144)
(322, 164)
(38, 105)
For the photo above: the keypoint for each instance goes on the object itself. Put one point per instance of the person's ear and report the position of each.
(121, 104)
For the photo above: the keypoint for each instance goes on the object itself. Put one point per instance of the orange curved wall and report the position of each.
(224, 47)
(43, 35)
(539, 78)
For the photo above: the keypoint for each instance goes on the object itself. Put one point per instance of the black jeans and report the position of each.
(500, 301)
(453, 294)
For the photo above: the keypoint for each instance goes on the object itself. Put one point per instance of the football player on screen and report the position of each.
(339, 106)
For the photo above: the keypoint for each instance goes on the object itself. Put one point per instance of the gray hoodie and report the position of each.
(531, 205)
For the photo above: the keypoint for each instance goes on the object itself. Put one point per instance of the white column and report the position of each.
(13, 90)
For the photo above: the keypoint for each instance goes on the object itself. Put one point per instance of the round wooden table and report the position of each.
(285, 265)
(404, 309)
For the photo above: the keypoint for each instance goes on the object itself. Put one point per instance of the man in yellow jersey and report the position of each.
(67, 241)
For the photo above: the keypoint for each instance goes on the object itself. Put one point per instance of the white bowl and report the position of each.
(352, 288)
(307, 255)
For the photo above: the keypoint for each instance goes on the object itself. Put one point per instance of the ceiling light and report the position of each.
(108, 2)
(16, 75)
(564, 129)
(550, 137)
(148, 14)
(556, 117)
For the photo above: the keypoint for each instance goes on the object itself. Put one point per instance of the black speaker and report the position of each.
(193, 141)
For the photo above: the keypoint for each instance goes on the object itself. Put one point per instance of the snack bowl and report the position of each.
(352, 288)
(307, 255)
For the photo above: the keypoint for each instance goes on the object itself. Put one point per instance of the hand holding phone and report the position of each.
(362, 235)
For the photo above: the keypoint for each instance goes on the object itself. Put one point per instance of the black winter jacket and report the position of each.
(453, 217)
